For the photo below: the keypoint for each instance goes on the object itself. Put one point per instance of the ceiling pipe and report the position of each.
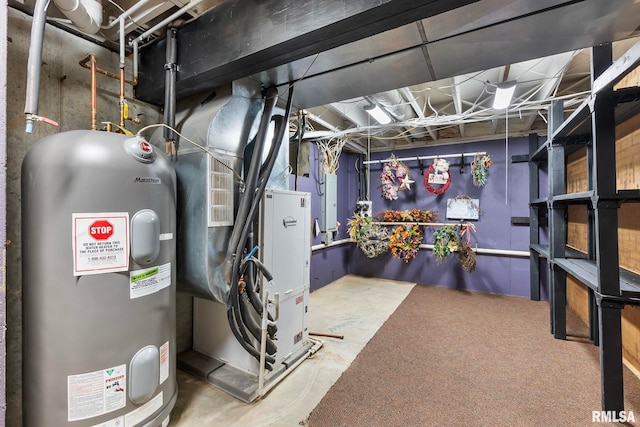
(126, 14)
(136, 42)
(392, 102)
(406, 93)
(86, 15)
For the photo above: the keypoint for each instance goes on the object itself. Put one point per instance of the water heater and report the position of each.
(99, 221)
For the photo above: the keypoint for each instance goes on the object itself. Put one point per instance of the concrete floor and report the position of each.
(351, 306)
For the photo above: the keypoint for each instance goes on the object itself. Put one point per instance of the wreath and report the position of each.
(405, 242)
(395, 177)
(466, 255)
(445, 241)
(480, 169)
(437, 172)
(372, 239)
(413, 215)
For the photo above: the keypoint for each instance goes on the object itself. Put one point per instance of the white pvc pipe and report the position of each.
(125, 14)
(135, 42)
(334, 243)
(507, 252)
(135, 60)
(86, 15)
(317, 344)
(161, 24)
(441, 156)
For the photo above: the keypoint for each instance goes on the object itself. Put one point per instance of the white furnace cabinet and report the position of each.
(285, 249)
(285, 240)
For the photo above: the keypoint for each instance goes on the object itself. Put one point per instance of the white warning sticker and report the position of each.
(149, 280)
(135, 417)
(100, 242)
(116, 422)
(164, 362)
(96, 393)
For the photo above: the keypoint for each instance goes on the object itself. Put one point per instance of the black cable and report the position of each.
(256, 181)
(253, 326)
(251, 292)
(248, 347)
(252, 175)
(236, 244)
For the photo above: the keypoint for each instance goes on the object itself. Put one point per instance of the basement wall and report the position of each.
(499, 202)
(3, 207)
(329, 264)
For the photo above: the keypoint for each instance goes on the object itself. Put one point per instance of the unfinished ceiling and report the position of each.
(433, 68)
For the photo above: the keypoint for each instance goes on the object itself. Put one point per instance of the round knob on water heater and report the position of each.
(139, 148)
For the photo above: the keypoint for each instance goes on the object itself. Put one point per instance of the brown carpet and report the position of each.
(455, 358)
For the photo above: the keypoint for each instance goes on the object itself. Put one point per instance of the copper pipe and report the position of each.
(84, 63)
(122, 96)
(94, 90)
(322, 334)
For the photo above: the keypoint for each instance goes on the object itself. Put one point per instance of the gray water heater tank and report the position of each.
(98, 257)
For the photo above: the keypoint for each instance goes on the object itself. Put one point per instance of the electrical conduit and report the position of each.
(170, 68)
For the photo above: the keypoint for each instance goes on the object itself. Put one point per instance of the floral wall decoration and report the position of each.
(437, 173)
(395, 177)
(445, 241)
(466, 255)
(480, 169)
(373, 239)
(405, 242)
(408, 215)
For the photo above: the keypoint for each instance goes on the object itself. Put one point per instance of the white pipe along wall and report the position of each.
(487, 251)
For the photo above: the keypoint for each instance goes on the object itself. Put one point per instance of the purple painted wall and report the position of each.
(507, 275)
(498, 274)
(331, 263)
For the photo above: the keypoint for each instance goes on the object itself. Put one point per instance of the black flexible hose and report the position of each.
(250, 349)
(256, 182)
(265, 171)
(273, 153)
(259, 191)
(251, 292)
(234, 252)
(271, 97)
(253, 326)
(261, 181)
(242, 338)
(170, 87)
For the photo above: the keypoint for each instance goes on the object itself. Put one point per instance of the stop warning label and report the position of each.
(101, 230)
(100, 242)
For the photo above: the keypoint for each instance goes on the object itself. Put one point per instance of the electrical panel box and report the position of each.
(329, 203)
(364, 208)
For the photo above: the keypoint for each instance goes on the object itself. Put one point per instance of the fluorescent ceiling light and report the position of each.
(504, 93)
(378, 114)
